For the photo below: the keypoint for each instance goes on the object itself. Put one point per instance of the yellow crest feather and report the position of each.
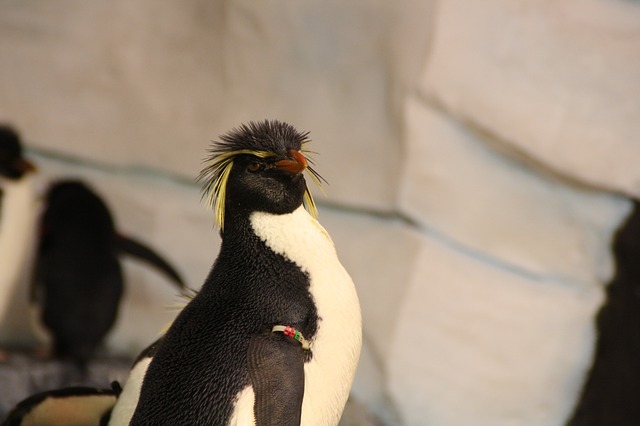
(218, 168)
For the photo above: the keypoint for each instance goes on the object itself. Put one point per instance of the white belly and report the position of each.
(128, 400)
(336, 346)
(17, 231)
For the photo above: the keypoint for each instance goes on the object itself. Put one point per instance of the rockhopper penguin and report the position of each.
(274, 335)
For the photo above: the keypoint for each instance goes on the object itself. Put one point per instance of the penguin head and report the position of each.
(72, 205)
(13, 165)
(259, 167)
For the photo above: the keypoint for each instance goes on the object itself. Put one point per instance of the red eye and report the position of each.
(254, 166)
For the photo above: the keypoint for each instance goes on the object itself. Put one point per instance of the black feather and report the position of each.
(267, 135)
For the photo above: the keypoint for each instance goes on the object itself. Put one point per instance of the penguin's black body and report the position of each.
(216, 371)
(77, 270)
(221, 362)
(78, 281)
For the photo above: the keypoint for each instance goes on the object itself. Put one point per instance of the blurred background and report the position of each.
(480, 157)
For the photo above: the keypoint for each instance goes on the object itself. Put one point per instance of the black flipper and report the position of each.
(139, 250)
(75, 405)
(276, 370)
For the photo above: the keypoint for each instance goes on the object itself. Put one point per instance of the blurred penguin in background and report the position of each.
(17, 210)
(78, 281)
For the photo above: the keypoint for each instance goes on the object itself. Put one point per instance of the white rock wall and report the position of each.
(557, 81)
(475, 153)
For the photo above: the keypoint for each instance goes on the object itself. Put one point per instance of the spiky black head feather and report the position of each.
(267, 140)
(273, 136)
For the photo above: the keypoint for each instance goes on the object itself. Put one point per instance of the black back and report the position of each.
(77, 269)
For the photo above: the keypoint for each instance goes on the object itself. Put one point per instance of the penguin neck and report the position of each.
(238, 228)
(297, 236)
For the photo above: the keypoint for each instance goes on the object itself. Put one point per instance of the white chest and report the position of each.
(17, 229)
(128, 400)
(336, 346)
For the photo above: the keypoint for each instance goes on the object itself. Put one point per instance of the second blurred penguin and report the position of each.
(78, 280)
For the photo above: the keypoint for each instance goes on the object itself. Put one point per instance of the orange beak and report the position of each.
(23, 165)
(295, 164)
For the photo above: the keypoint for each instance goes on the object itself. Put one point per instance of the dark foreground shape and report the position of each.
(611, 395)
